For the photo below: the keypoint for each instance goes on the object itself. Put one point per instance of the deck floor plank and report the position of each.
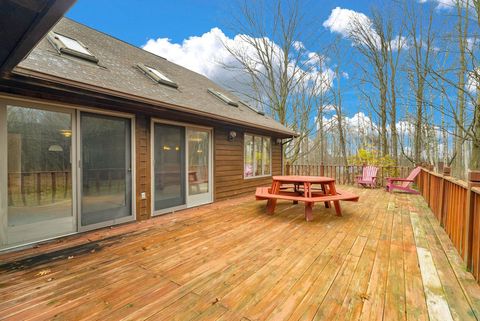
(386, 258)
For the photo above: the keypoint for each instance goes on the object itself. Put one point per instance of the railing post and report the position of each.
(287, 168)
(473, 181)
(429, 186)
(322, 169)
(446, 172)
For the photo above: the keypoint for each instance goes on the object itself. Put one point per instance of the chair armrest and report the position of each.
(396, 179)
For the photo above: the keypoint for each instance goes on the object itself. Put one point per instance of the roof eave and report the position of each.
(85, 86)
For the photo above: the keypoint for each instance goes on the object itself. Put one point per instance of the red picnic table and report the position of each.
(301, 188)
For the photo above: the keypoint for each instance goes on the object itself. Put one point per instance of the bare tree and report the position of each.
(280, 76)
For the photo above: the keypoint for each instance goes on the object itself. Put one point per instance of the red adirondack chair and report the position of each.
(369, 177)
(403, 184)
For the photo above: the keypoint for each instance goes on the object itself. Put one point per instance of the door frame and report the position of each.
(78, 166)
(5, 231)
(196, 200)
(187, 126)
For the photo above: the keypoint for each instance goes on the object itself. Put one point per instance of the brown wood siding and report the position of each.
(143, 166)
(228, 172)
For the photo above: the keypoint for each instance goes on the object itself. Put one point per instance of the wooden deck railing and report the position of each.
(456, 205)
(346, 174)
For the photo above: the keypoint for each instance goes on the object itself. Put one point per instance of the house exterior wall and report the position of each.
(227, 155)
(228, 172)
(228, 165)
(143, 167)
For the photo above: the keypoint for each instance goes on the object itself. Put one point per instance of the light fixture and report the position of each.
(278, 141)
(55, 148)
(166, 147)
(66, 133)
(231, 135)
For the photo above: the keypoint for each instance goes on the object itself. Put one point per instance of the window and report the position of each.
(71, 46)
(222, 97)
(157, 75)
(258, 156)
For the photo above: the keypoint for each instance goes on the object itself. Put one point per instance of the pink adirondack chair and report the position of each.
(369, 177)
(403, 184)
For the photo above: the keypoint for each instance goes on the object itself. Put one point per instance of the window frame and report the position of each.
(165, 80)
(254, 165)
(63, 48)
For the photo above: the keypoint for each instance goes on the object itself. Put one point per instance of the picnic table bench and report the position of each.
(303, 191)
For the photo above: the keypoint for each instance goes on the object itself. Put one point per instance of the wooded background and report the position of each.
(417, 81)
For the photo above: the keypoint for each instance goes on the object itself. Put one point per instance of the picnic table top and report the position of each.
(304, 179)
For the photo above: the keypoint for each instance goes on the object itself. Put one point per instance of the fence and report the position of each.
(346, 174)
(48, 187)
(456, 205)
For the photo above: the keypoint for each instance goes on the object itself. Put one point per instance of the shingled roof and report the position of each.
(117, 73)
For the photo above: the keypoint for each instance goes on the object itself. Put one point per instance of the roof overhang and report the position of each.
(22, 78)
(37, 78)
(23, 23)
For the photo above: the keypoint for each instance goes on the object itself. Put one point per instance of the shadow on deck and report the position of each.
(386, 258)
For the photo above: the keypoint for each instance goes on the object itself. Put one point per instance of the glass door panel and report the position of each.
(39, 174)
(169, 166)
(106, 184)
(199, 189)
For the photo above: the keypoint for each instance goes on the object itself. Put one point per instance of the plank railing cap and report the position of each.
(474, 176)
(447, 171)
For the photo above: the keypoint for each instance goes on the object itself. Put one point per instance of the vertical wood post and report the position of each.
(54, 185)
(445, 173)
(39, 187)
(287, 168)
(322, 169)
(473, 181)
(10, 188)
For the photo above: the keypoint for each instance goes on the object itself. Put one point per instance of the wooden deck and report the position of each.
(385, 259)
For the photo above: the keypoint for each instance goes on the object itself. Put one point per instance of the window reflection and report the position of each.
(198, 153)
(39, 168)
(169, 166)
(257, 158)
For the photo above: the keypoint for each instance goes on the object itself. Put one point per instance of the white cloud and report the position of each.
(348, 22)
(343, 21)
(448, 4)
(207, 55)
(473, 80)
(203, 54)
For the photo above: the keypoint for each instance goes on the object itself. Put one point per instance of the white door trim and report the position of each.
(132, 164)
(188, 203)
(33, 232)
(200, 199)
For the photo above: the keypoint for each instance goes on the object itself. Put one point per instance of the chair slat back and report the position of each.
(412, 176)
(369, 172)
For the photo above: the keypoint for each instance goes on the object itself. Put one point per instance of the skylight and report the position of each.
(71, 46)
(222, 97)
(157, 75)
(260, 112)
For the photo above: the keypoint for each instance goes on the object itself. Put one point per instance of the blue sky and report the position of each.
(139, 20)
(167, 24)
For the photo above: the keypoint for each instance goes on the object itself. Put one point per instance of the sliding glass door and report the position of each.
(199, 172)
(106, 170)
(39, 173)
(169, 167)
(182, 166)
